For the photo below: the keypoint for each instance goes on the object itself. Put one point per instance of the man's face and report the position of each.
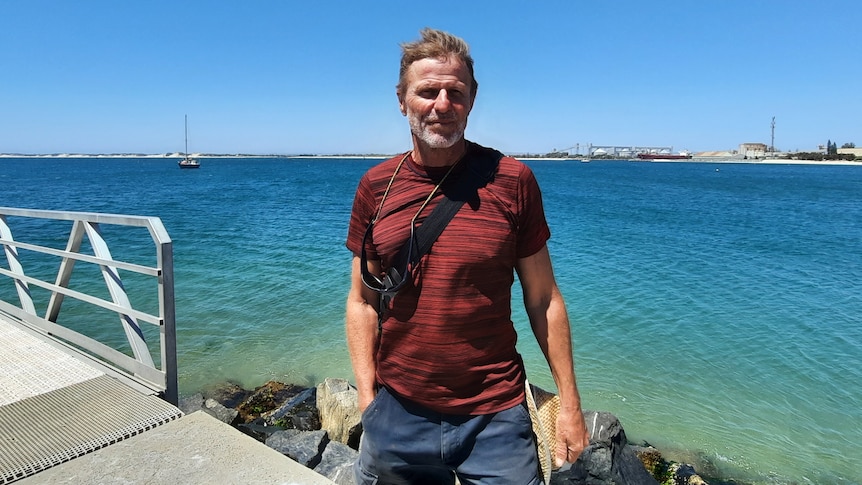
(437, 100)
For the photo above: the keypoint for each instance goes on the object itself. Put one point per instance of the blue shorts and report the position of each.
(404, 443)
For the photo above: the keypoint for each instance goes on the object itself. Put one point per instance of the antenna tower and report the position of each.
(772, 143)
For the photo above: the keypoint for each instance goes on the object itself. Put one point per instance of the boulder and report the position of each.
(652, 460)
(264, 399)
(608, 460)
(299, 412)
(337, 462)
(229, 394)
(218, 411)
(303, 447)
(339, 411)
(190, 404)
(258, 429)
(684, 474)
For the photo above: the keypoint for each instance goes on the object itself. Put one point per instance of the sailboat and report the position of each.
(187, 161)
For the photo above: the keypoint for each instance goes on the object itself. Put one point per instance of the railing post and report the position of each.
(169, 326)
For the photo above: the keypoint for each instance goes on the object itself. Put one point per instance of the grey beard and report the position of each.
(433, 140)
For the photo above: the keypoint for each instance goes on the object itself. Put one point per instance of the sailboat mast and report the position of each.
(186, 153)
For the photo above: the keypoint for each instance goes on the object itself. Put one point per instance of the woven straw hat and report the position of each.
(544, 407)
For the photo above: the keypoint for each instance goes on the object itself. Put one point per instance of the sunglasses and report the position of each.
(395, 279)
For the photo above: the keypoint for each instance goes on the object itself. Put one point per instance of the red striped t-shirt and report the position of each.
(448, 342)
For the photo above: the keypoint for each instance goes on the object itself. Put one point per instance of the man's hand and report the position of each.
(572, 437)
(365, 399)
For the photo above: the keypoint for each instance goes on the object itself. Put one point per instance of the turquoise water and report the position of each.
(716, 308)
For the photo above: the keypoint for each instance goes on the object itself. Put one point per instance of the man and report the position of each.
(438, 377)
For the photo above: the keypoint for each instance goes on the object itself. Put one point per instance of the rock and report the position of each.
(685, 475)
(339, 411)
(652, 460)
(303, 397)
(218, 411)
(337, 463)
(332, 411)
(300, 412)
(190, 404)
(264, 399)
(228, 394)
(258, 429)
(609, 460)
(604, 427)
(304, 447)
(629, 470)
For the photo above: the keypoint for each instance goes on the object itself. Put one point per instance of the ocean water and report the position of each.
(715, 308)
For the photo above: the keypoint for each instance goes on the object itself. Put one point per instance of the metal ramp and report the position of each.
(54, 407)
(64, 394)
(74, 409)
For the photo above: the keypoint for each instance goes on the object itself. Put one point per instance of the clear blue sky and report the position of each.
(269, 76)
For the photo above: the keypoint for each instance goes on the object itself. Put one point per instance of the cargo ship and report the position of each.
(663, 156)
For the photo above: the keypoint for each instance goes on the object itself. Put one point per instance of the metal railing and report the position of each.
(135, 362)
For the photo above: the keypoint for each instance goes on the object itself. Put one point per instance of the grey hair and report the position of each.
(435, 44)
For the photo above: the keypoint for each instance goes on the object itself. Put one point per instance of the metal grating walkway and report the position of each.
(30, 366)
(54, 408)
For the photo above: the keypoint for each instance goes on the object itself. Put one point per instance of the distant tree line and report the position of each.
(831, 153)
(819, 156)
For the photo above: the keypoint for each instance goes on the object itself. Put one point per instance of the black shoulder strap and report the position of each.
(481, 167)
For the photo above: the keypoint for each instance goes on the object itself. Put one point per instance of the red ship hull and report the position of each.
(662, 156)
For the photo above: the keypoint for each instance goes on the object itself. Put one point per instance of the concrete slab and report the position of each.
(194, 449)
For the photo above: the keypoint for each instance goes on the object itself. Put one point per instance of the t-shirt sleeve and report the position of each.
(360, 217)
(533, 230)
